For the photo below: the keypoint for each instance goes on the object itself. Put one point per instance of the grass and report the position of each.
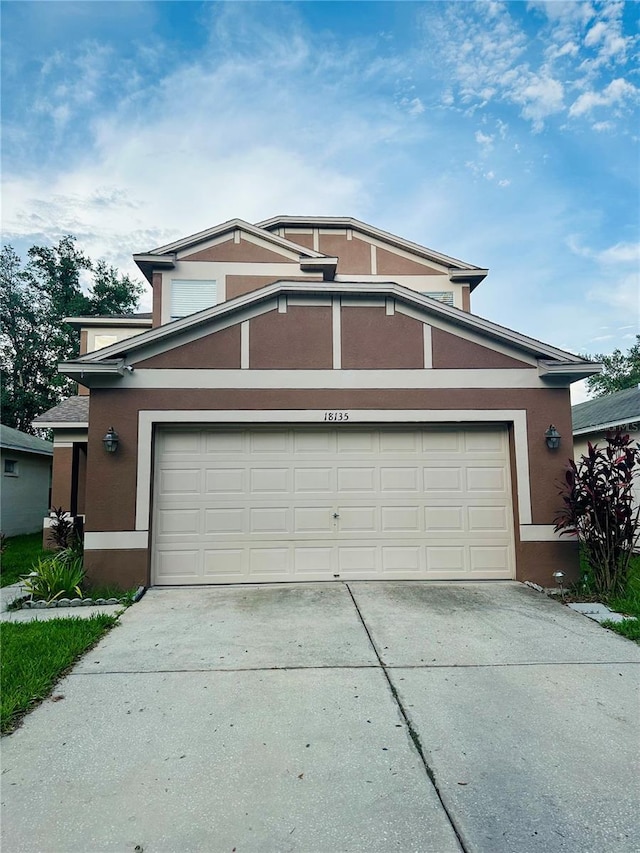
(628, 604)
(34, 657)
(19, 557)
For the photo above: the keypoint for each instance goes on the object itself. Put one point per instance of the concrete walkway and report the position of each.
(336, 717)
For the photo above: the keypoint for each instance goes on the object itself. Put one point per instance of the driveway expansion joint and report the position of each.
(413, 734)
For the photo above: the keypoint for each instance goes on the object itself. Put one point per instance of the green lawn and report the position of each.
(629, 604)
(34, 655)
(20, 554)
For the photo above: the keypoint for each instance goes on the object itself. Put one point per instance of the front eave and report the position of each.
(150, 262)
(555, 365)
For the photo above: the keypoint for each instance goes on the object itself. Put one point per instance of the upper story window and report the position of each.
(445, 296)
(189, 296)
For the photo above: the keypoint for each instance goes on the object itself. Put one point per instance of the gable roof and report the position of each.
(14, 439)
(73, 413)
(612, 410)
(115, 359)
(165, 256)
(468, 272)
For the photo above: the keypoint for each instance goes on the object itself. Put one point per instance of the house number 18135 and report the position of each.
(336, 416)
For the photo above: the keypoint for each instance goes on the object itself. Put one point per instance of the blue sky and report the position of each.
(505, 134)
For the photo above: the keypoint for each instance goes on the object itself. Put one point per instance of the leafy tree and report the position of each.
(621, 370)
(34, 299)
(598, 508)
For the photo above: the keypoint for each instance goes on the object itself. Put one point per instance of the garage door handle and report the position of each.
(336, 515)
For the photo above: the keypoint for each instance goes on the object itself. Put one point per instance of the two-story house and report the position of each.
(313, 399)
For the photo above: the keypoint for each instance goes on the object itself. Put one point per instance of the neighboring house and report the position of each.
(594, 418)
(25, 462)
(314, 400)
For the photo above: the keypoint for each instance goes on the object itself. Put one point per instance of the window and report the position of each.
(445, 296)
(11, 467)
(189, 296)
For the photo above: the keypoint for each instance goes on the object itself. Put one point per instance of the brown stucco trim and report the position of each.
(305, 240)
(62, 477)
(374, 340)
(84, 341)
(110, 502)
(243, 252)
(537, 561)
(389, 263)
(125, 568)
(219, 350)
(354, 256)
(453, 352)
(237, 285)
(299, 339)
(156, 285)
(466, 298)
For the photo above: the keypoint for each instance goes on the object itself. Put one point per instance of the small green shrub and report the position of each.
(54, 577)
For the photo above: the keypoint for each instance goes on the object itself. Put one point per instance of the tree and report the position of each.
(34, 299)
(621, 370)
(598, 508)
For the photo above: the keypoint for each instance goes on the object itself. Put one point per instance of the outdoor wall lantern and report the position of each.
(552, 437)
(111, 440)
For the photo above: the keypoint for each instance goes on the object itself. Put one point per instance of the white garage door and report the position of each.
(303, 504)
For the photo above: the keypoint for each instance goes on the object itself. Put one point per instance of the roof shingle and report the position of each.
(604, 411)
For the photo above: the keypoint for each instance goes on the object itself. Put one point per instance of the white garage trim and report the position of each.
(539, 533)
(148, 419)
(116, 540)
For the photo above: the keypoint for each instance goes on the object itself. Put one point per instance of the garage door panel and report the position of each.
(405, 518)
(487, 518)
(269, 520)
(444, 518)
(225, 481)
(314, 480)
(221, 443)
(314, 560)
(225, 563)
(313, 520)
(224, 521)
(486, 479)
(358, 519)
(178, 566)
(396, 479)
(269, 561)
(269, 480)
(448, 558)
(357, 559)
(362, 479)
(180, 481)
(443, 480)
(488, 558)
(179, 521)
(402, 559)
(251, 505)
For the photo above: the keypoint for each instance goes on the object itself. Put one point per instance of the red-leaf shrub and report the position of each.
(598, 508)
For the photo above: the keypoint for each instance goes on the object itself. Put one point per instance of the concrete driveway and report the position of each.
(336, 717)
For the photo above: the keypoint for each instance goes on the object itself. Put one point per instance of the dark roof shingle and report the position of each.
(14, 439)
(72, 410)
(604, 411)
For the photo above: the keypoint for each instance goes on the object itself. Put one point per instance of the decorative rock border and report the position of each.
(81, 602)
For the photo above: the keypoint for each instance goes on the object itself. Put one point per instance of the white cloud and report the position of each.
(615, 94)
(484, 139)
